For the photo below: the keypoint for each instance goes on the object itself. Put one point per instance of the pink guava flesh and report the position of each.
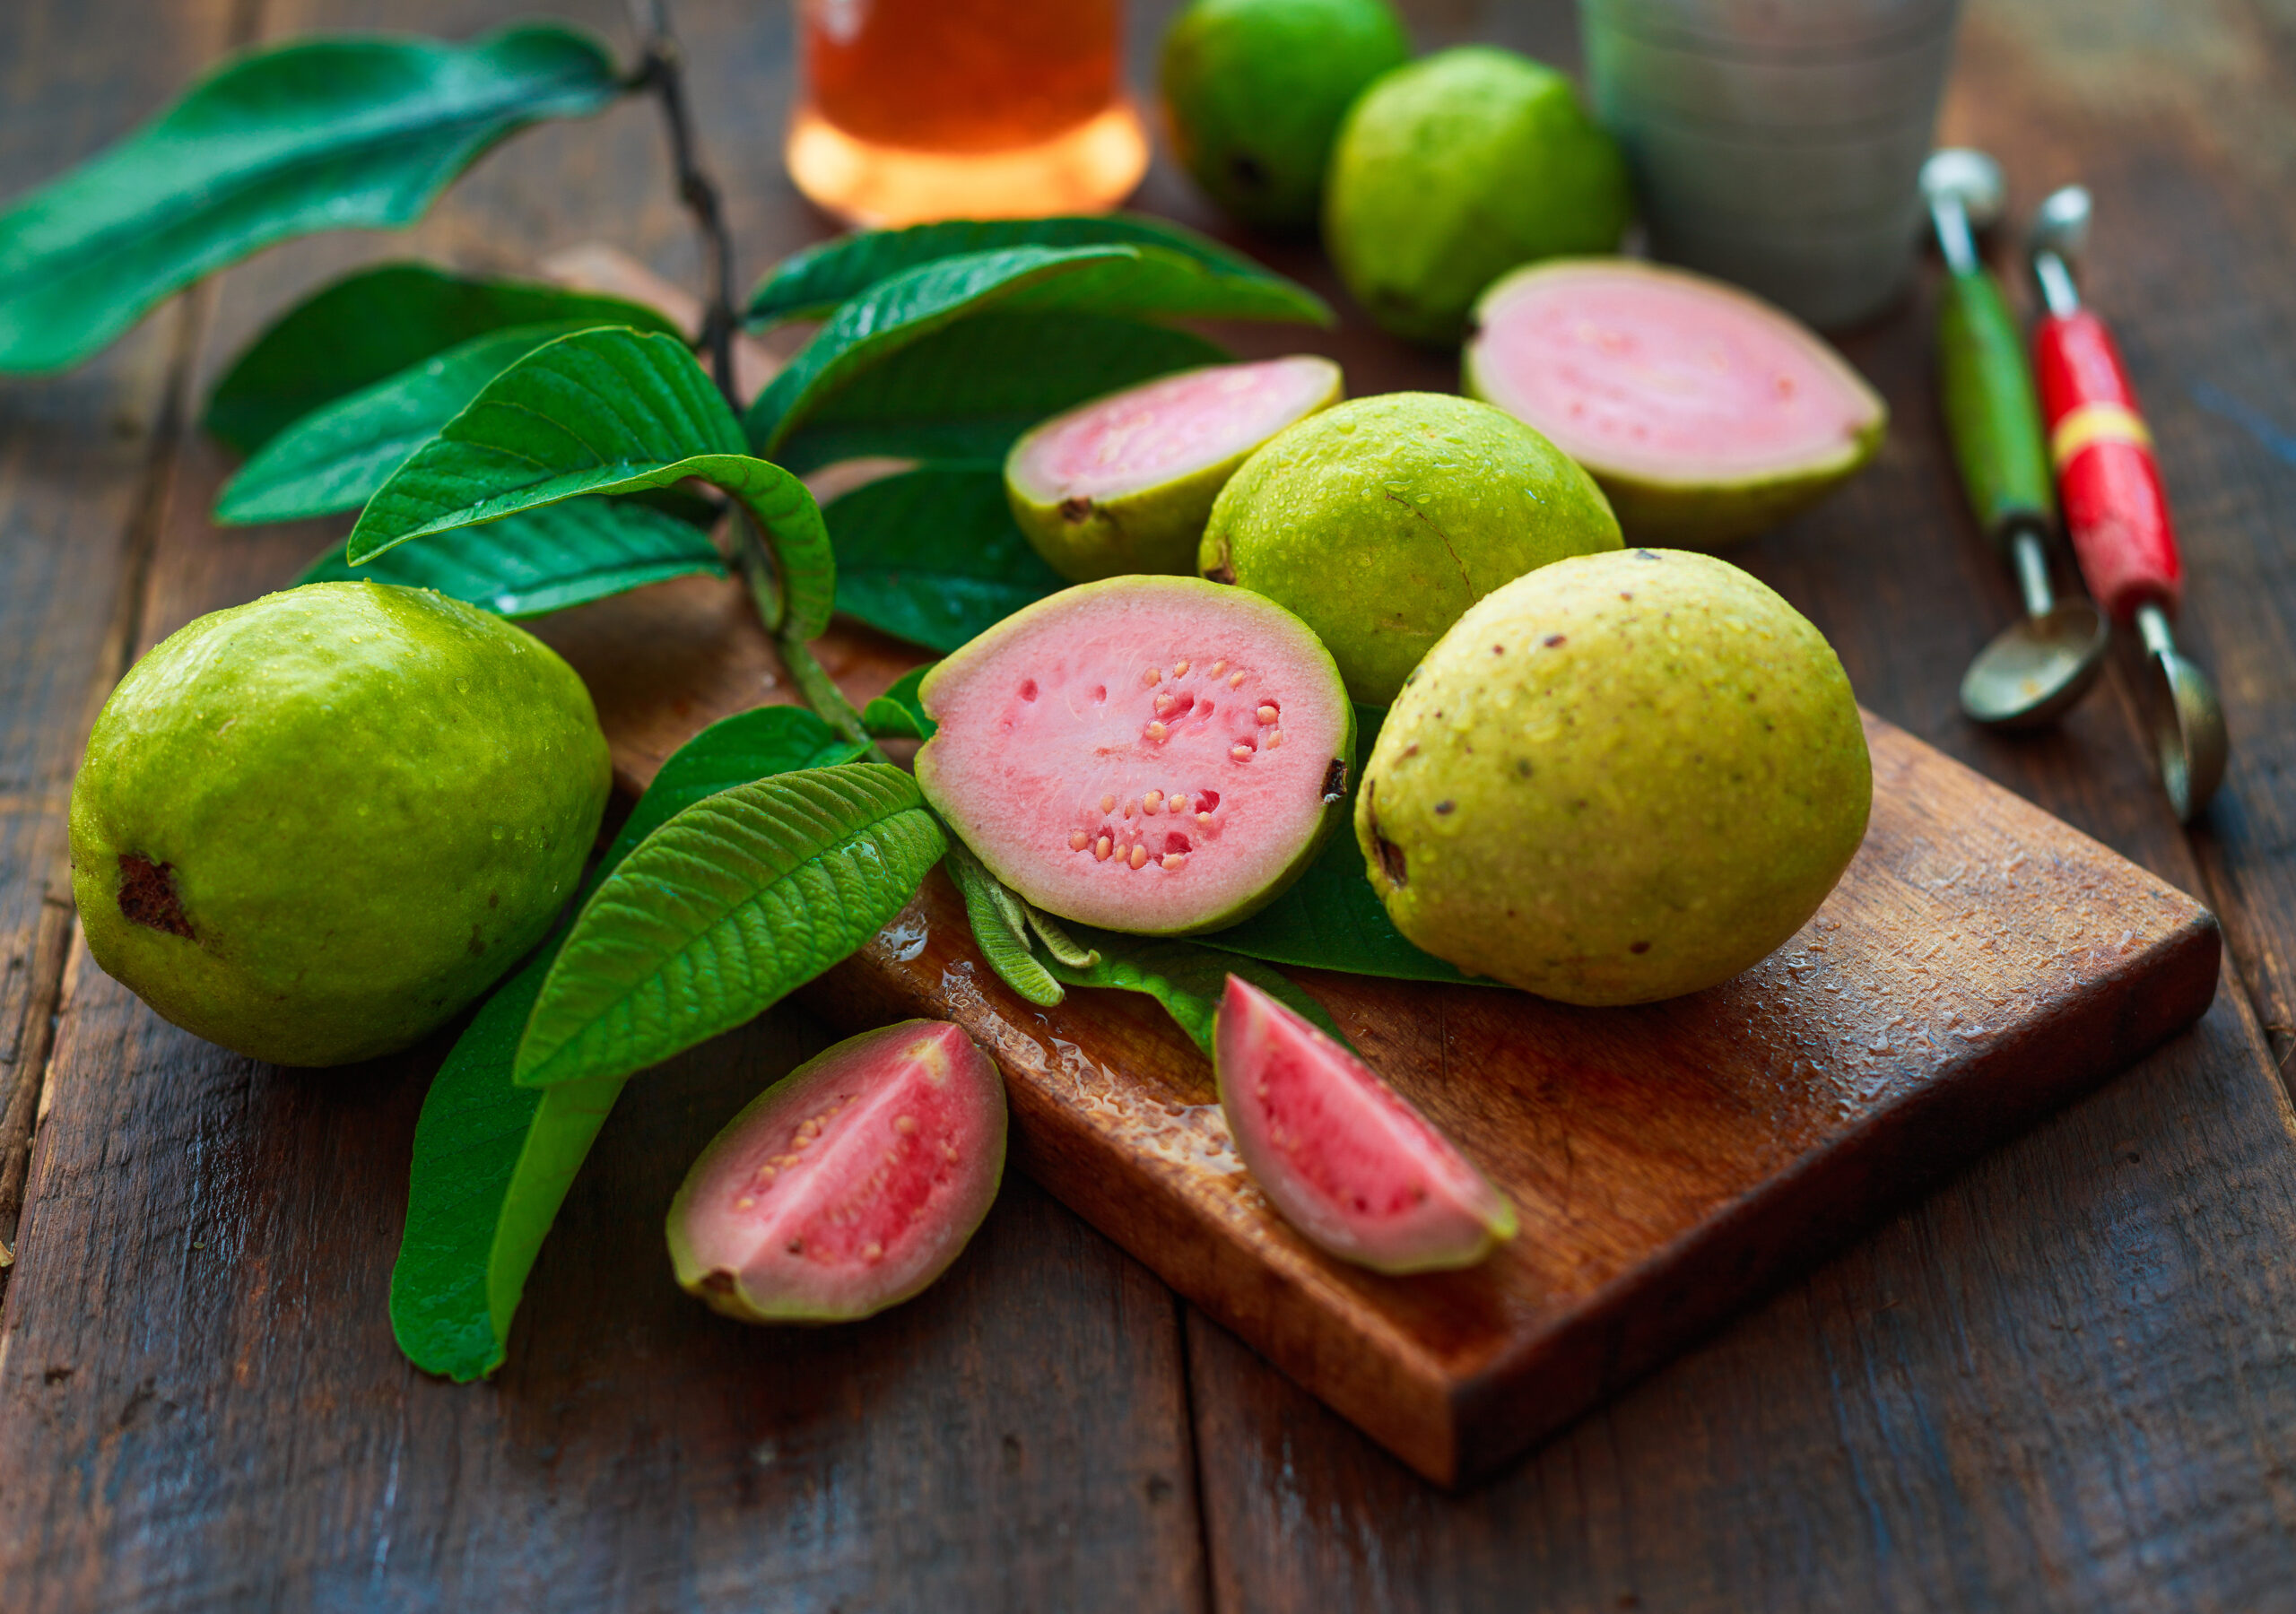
(1342, 1156)
(849, 1184)
(1640, 371)
(1153, 754)
(1169, 428)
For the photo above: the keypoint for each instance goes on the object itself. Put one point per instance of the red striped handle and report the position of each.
(2115, 511)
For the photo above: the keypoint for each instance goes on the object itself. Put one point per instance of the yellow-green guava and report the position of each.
(1621, 778)
(1254, 91)
(1378, 521)
(1452, 170)
(313, 828)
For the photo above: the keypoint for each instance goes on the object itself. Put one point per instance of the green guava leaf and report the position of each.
(602, 410)
(810, 284)
(334, 458)
(326, 133)
(493, 1163)
(932, 555)
(544, 560)
(740, 750)
(905, 308)
(722, 911)
(899, 312)
(369, 327)
(1330, 917)
(999, 927)
(964, 393)
(1184, 977)
(899, 713)
(494, 1160)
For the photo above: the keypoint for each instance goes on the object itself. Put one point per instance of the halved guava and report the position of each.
(848, 1186)
(1341, 1155)
(1124, 483)
(1705, 413)
(1159, 755)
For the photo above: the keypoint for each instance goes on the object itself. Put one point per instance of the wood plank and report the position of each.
(83, 458)
(200, 1403)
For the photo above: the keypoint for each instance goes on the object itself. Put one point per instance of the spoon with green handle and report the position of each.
(2034, 670)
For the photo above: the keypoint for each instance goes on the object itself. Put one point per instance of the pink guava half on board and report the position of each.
(1159, 755)
(1124, 483)
(848, 1186)
(1341, 1155)
(1707, 414)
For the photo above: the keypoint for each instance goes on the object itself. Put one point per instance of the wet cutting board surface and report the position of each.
(1981, 963)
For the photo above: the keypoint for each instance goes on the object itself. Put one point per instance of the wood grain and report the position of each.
(81, 461)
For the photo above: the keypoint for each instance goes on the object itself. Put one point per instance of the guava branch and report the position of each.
(662, 70)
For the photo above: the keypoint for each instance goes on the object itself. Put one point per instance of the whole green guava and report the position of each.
(313, 828)
(1253, 91)
(1621, 778)
(1452, 170)
(1378, 522)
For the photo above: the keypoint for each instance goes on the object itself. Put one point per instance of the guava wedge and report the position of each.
(1707, 414)
(1158, 755)
(1341, 1155)
(1124, 483)
(848, 1186)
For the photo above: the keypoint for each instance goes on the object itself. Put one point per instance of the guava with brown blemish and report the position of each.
(1159, 755)
(848, 1186)
(1621, 778)
(1378, 521)
(313, 828)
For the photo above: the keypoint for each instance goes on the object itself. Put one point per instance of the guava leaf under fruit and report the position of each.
(964, 393)
(905, 308)
(549, 559)
(810, 284)
(725, 910)
(999, 927)
(899, 713)
(328, 134)
(1185, 978)
(337, 457)
(932, 555)
(604, 410)
(1330, 917)
(369, 327)
(492, 1161)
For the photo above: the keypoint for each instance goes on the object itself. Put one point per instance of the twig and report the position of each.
(662, 70)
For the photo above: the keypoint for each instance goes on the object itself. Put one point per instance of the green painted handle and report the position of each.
(1991, 410)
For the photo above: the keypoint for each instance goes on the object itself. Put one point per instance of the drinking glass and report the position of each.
(910, 111)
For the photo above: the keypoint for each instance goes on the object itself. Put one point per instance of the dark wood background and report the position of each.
(2066, 1380)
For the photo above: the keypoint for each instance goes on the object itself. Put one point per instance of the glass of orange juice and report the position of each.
(910, 111)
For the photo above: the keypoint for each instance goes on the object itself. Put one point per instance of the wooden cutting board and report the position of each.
(1980, 964)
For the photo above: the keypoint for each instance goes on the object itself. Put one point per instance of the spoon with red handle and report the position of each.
(2116, 513)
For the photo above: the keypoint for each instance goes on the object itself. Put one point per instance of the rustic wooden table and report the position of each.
(2067, 1379)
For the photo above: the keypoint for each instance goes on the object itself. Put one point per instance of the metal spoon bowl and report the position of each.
(2188, 736)
(2035, 670)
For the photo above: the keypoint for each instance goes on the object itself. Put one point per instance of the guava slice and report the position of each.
(1124, 483)
(1341, 1155)
(848, 1186)
(1067, 731)
(1707, 414)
